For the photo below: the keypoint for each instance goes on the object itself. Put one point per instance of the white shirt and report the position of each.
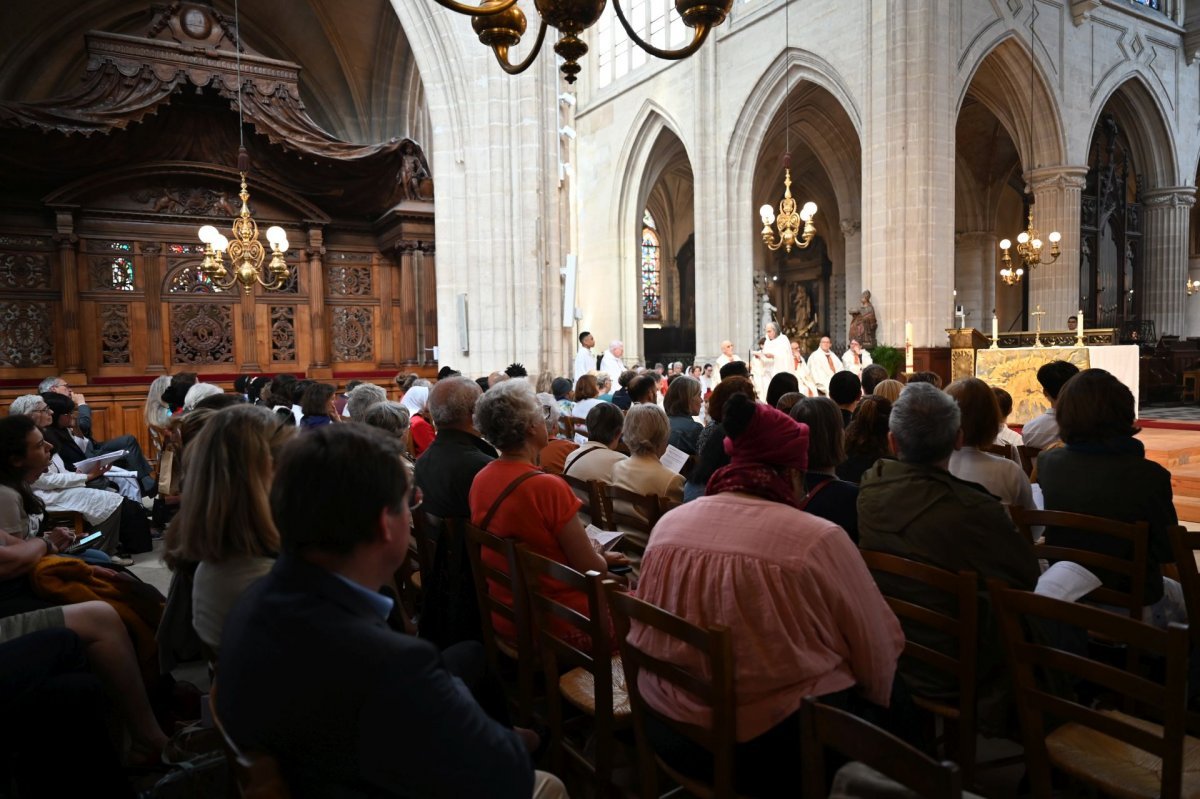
(62, 490)
(613, 365)
(848, 361)
(1009, 436)
(1000, 476)
(818, 365)
(1042, 431)
(584, 362)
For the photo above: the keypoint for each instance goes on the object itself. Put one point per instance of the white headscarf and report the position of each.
(415, 398)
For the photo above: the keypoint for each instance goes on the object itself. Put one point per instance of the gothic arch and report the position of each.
(1139, 113)
(999, 79)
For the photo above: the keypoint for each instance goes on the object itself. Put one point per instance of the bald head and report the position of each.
(452, 403)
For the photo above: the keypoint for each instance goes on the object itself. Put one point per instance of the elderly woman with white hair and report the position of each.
(512, 498)
(199, 392)
(362, 397)
(421, 432)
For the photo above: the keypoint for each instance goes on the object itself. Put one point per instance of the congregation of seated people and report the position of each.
(381, 580)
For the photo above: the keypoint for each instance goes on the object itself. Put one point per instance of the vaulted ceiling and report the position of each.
(359, 79)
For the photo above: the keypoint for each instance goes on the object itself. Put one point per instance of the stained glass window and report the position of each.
(120, 246)
(185, 249)
(190, 280)
(122, 274)
(651, 271)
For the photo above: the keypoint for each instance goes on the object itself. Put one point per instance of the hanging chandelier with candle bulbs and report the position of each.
(245, 251)
(500, 24)
(1030, 252)
(787, 232)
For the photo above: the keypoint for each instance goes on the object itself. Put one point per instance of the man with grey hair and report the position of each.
(444, 472)
(611, 361)
(361, 397)
(913, 507)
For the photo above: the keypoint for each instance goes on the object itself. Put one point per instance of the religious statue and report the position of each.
(412, 171)
(803, 316)
(863, 323)
(768, 310)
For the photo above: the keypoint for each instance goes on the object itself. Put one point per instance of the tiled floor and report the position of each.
(1173, 412)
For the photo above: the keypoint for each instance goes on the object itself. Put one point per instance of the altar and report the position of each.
(1015, 370)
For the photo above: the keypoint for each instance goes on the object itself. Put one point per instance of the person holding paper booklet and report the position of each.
(595, 459)
(512, 498)
(647, 431)
(1102, 470)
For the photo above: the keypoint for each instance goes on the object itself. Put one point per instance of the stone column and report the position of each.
(852, 257)
(319, 366)
(908, 163)
(1166, 219)
(1056, 203)
(72, 359)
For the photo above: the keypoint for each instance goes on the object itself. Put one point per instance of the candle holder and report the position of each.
(1037, 317)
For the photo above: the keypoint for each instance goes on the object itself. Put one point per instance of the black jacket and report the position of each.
(312, 674)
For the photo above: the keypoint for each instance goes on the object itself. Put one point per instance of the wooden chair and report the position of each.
(1028, 456)
(823, 727)
(159, 436)
(711, 685)
(257, 774)
(518, 653)
(71, 519)
(1001, 450)
(1132, 568)
(592, 679)
(1117, 753)
(1185, 544)
(960, 628)
(423, 528)
(633, 514)
(1190, 380)
(589, 492)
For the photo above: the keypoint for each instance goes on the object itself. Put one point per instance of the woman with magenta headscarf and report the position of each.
(806, 616)
(421, 431)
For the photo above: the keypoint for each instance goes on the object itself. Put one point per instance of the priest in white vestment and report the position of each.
(584, 360)
(612, 363)
(856, 358)
(823, 365)
(727, 356)
(776, 354)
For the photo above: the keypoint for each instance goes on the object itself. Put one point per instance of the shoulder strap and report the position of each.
(580, 457)
(807, 498)
(487, 520)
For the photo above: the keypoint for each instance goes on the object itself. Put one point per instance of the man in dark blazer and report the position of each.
(312, 673)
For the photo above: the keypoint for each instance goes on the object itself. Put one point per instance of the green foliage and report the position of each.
(889, 358)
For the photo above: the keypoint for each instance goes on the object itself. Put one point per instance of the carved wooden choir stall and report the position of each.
(106, 187)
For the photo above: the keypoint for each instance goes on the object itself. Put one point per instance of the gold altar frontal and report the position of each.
(1015, 370)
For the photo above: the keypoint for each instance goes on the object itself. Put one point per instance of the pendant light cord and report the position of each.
(787, 81)
(237, 50)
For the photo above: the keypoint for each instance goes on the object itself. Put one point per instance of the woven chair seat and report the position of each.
(579, 688)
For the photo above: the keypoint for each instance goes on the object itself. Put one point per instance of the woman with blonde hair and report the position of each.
(224, 521)
(889, 390)
(156, 412)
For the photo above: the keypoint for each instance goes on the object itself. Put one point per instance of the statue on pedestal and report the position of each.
(863, 323)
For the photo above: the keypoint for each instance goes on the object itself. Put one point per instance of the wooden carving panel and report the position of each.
(349, 281)
(353, 333)
(26, 334)
(24, 270)
(111, 272)
(283, 334)
(201, 333)
(115, 334)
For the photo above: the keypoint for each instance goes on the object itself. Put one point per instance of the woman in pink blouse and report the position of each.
(806, 616)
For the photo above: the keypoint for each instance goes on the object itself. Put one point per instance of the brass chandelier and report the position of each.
(246, 253)
(1029, 241)
(1029, 251)
(787, 222)
(500, 24)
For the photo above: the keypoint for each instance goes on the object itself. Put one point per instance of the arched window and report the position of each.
(656, 21)
(651, 271)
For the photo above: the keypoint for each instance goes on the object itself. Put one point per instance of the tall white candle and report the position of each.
(908, 347)
(995, 326)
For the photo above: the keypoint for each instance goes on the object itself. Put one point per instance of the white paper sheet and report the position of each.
(1067, 581)
(674, 459)
(87, 464)
(605, 539)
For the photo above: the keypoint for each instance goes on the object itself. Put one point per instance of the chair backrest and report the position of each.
(504, 551)
(558, 653)
(823, 727)
(1132, 568)
(1028, 456)
(72, 519)
(566, 428)
(711, 685)
(962, 627)
(996, 449)
(423, 527)
(625, 508)
(258, 774)
(1186, 544)
(1030, 659)
(589, 493)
